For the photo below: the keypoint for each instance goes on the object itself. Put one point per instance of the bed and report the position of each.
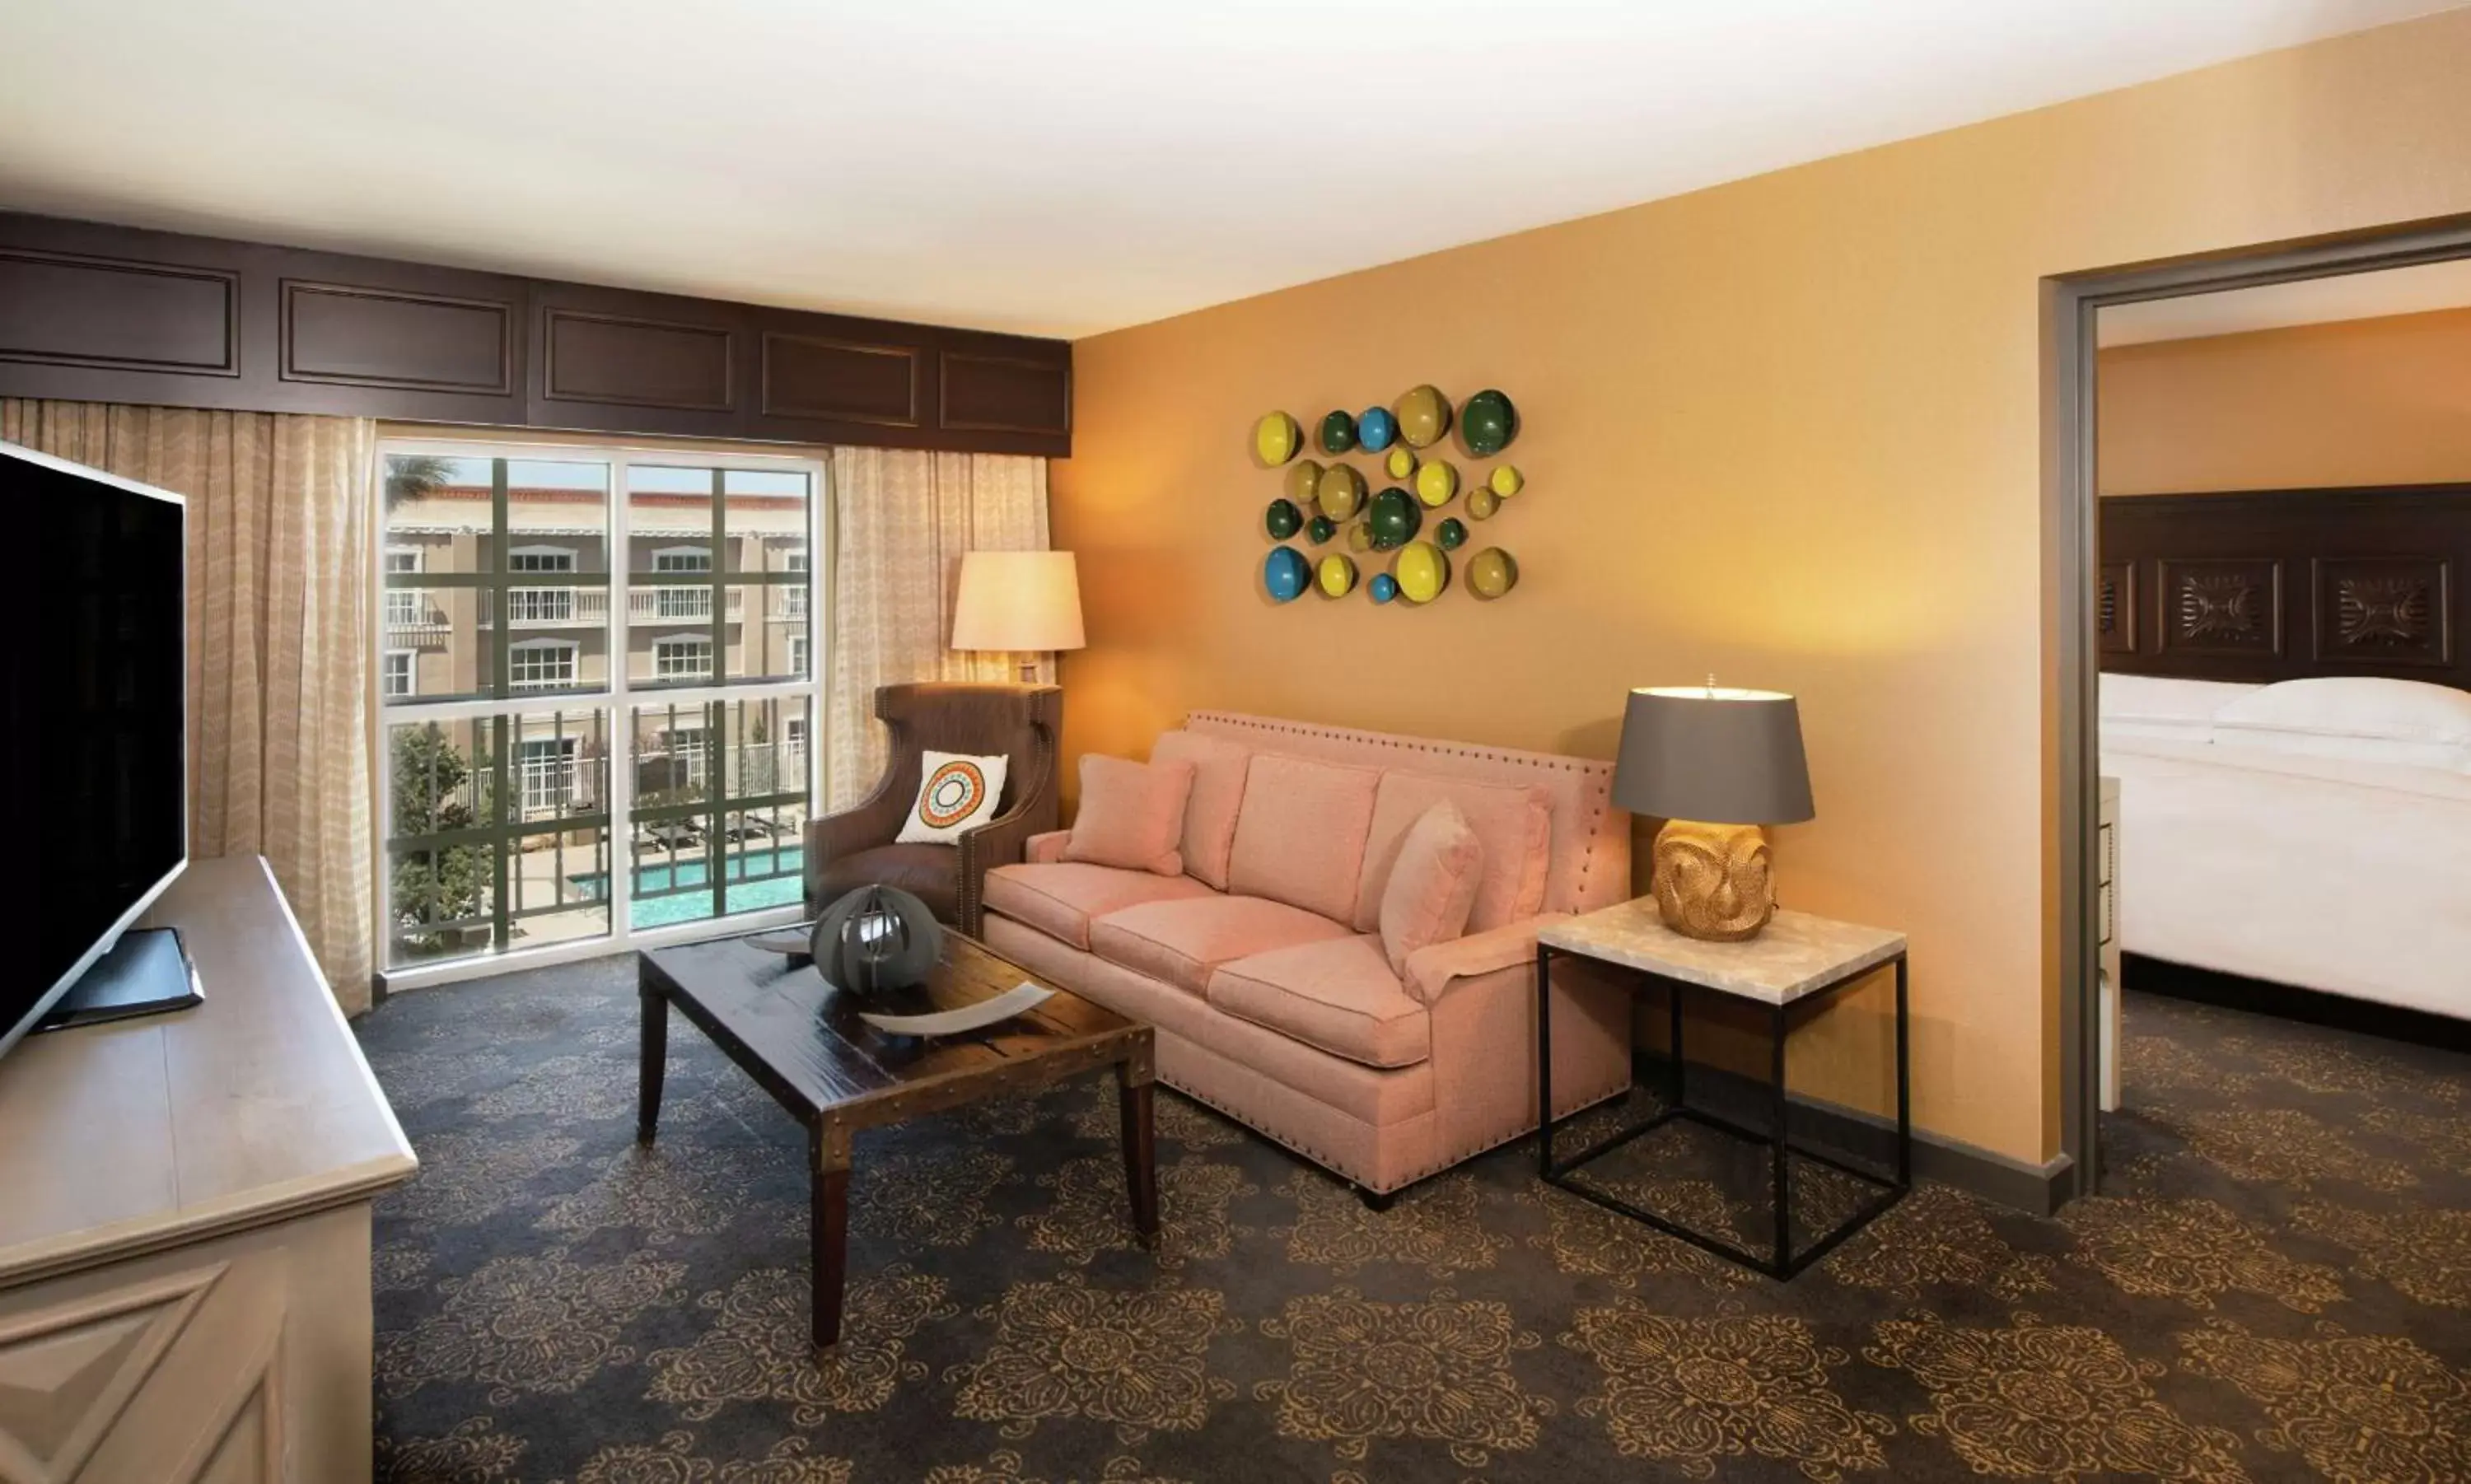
(2288, 710)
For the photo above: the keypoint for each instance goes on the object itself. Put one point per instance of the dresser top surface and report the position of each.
(252, 1106)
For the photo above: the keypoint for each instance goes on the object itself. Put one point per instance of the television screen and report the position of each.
(91, 745)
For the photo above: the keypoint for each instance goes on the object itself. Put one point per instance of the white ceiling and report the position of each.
(2393, 290)
(1058, 166)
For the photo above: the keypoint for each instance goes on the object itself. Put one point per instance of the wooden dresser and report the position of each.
(184, 1221)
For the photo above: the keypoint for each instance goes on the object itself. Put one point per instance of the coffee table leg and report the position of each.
(829, 1234)
(655, 1057)
(1140, 1149)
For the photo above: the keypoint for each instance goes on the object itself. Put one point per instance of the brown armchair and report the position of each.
(855, 849)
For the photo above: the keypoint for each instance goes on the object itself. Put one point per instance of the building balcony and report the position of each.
(588, 607)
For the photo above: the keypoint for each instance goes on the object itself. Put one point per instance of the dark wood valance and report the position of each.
(111, 314)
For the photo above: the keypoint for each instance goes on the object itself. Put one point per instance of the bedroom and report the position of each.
(2285, 729)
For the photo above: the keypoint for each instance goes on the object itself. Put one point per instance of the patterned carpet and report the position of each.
(2278, 1285)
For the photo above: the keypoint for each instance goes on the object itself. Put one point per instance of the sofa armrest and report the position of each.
(1045, 849)
(1431, 970)
(1004, 841)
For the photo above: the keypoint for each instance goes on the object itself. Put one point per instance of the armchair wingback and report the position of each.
(856, 848)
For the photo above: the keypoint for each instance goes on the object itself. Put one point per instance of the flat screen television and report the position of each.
(92, 745)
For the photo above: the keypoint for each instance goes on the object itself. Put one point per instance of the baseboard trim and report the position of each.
(2037, 1190)
(2316, 1007)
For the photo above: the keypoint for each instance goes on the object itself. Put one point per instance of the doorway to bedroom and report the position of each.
(2264, 478)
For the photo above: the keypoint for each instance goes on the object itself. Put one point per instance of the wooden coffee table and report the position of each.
(802, 1042)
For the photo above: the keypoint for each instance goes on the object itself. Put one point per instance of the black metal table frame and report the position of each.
(1783, 1262)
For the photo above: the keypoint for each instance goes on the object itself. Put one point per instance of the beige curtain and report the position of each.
(278, 616)
(901, 520)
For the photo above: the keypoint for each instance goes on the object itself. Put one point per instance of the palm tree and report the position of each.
(417, 476)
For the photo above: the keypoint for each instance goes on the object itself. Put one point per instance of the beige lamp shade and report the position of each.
(1021, 602)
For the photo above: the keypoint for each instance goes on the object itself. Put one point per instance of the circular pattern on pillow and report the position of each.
(952, 793)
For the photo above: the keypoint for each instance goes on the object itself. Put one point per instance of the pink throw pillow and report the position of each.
(1432, 888)
(1132, 814)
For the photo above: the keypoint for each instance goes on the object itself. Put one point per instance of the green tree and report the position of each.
(417, 476)
(436, 790)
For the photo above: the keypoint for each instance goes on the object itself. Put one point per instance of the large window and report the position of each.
(641, 766)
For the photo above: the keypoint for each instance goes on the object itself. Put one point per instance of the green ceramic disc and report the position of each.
(1337, 433)
(1488, 422)
(1284, 519)
(1321, 528)
(1395, 518)
(1491, 572)
(1451, 533)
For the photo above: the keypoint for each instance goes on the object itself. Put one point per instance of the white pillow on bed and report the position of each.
(2159, 706)
(2361, 718)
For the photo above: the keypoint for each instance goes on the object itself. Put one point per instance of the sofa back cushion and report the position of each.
(1132, 814)
(1218, 768)
(1299, 834)
(1514, 821)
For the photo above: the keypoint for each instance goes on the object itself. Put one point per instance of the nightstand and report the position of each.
(1793, 966)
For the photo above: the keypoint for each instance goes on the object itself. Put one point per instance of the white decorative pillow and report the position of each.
(956, 793)
(2161, 705)
(2409, 711)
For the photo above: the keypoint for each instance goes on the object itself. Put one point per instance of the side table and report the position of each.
(1799, 962)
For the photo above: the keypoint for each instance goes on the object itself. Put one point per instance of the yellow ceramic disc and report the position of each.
(1421, 572)
(1491, 572)
(1482, 502)
(1436, 483)
(1359, 536)
(1303, 484)
(1401, 461)
(1423, 416)
(1337, 576)
(1507, 480)
(1341, 492)
(1276, 437)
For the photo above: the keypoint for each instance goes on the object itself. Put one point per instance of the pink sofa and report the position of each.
(1262, 972)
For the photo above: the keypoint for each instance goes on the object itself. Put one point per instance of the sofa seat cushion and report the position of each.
(1060, 900)
(1181, 941)
(928, 872)
(1337, 996)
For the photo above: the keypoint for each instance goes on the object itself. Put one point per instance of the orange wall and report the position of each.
(2384, 401)
(1786, 430)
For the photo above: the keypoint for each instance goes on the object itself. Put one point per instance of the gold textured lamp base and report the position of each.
(1712, 882)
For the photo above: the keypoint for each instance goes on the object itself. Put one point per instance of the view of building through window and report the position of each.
(598, 689)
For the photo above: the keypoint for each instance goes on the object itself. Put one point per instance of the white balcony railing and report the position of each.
(588, 607)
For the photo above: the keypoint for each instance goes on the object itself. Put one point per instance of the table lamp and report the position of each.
(1022, 603)
(1715, 765)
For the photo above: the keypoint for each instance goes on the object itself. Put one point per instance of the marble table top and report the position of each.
(1795, 955)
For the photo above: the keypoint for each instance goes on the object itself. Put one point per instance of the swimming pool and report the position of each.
(664, 894)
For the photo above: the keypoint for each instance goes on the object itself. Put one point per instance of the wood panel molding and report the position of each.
(619, 360)
(73, 309)
(349, 334)
(96, 313)
(838, 380)
(986, 392)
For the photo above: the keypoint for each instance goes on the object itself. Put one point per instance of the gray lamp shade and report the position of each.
(1717, 756)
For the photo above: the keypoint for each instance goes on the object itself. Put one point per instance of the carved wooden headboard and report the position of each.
(2287, 583)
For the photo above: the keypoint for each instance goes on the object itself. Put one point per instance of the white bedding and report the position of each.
(2352, 878)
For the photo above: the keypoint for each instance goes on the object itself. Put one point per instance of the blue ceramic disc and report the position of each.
(1375, 428)
(1286, 574)
(1383, 586)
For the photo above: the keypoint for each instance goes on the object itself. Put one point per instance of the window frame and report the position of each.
(410, 659)
(570, 648)
(668, 642)
(615, 705)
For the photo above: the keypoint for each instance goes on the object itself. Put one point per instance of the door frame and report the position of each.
(2070, 531)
